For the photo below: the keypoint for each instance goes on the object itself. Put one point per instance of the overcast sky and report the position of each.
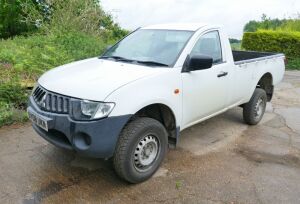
(231, 14)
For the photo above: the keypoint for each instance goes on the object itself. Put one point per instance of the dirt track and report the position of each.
(221, 160)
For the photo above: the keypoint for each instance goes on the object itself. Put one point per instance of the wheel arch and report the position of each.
(266, 83)
(163, 114)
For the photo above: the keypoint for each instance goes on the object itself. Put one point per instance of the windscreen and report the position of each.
(144, 45)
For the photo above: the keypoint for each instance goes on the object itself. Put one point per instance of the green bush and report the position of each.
(9, 114)
(11, 18)
(13, 97)
(274, 41)
(32, 56)
(23, 60)
(6, 113)
(13, 93)
(294, 63)
(57, 32)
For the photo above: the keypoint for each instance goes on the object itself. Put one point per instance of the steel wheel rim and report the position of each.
(259, 108)
(146, 153)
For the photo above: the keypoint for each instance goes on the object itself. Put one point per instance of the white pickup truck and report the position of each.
(131, 103)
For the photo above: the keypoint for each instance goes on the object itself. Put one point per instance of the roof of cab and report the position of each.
(177, 26)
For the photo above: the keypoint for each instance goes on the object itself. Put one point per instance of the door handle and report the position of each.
(222, 74)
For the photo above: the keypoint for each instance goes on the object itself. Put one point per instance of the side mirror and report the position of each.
(197, 62)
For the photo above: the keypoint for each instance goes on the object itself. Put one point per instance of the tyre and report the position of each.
(140, 150)
(254, 110)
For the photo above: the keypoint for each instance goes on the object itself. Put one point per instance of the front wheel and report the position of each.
(140, 150)
(254, 110)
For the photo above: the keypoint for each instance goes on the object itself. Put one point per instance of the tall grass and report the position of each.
(29, 57)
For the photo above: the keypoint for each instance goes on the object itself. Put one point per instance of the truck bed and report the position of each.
(242, 57)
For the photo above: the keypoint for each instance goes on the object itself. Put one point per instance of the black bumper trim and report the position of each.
(102, 135)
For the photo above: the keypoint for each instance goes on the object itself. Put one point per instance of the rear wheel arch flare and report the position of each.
(266, 83)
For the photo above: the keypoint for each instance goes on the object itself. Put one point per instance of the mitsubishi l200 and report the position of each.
(131, 103)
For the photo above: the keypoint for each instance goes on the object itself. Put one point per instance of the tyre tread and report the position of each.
(248, 108)
(126, 135)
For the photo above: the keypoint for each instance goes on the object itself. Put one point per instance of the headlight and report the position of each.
(90, 110)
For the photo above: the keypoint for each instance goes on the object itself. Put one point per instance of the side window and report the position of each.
(209, 44)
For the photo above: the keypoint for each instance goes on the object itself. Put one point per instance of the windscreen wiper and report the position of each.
(123, 59)
(153, 63)
(117, 58)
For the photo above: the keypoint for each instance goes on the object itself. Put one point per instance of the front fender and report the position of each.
(154, 89)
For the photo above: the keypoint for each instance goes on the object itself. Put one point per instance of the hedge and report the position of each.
(273, 41)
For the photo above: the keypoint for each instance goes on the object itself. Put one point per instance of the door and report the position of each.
(205, 92)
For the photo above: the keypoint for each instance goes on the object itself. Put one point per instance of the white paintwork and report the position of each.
(92, 79)
(133, 87)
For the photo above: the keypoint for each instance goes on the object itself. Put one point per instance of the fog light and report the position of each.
(82, 141)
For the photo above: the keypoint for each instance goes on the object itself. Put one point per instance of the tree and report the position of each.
(23, 16)
(251, 26)
(73, 15)
(265, 23)
(233, 40)
(11, 23)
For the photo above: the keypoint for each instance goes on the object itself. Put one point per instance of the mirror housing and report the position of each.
(197, 62)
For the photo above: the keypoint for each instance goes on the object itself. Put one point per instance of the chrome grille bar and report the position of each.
(51, 102)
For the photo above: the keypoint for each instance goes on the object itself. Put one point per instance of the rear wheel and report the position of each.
(254, 110)
(140, 150)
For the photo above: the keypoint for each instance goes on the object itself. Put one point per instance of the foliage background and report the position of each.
(275, 41)
(11, 19)
(274, 35)
(266, 23)
(38, 35)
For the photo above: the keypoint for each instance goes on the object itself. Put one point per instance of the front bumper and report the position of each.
(96, 138)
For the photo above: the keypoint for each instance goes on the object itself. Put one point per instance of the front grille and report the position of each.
(51, 102)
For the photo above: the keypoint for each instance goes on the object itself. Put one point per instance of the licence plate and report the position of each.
(39, 121)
